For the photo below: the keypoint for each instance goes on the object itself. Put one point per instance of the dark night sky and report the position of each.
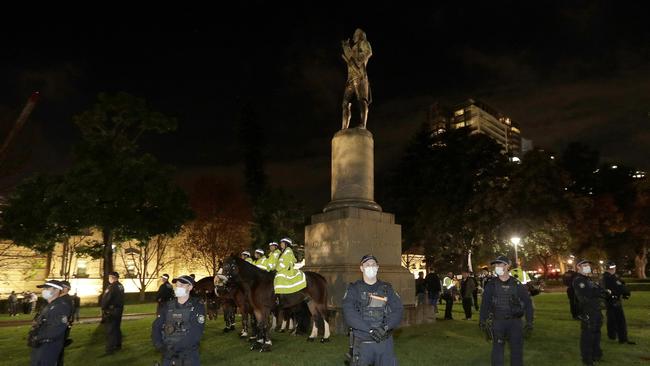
(563, 71)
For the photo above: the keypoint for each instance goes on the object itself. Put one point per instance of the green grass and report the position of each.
(89, 311)
(458, 342)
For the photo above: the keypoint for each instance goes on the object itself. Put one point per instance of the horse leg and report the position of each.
(314, 319)
(322, 311)
(244, 324)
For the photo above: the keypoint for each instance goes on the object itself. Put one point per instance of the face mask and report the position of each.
(586, 269)
(180, 291)
(370, 272)
(47, 294)
(499, 271)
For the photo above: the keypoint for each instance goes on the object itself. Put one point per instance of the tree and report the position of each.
(444, 190)
(146, 259)
(640, 226)
(222, 223)
(111, 186)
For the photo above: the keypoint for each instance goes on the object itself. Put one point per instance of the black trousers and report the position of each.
(616, 325)
(449, 304)
(467, 306)
(590, 337)
(511, 331)
(475, 298)
(113, 331)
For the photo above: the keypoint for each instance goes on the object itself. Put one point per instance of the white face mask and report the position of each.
(500, 271)
(586, 269)
(47, 294)
(180, 291)
(370, 272)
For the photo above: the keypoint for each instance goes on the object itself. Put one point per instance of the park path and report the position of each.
(83, 320)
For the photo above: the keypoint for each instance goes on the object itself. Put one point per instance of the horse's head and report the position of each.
(230, 268)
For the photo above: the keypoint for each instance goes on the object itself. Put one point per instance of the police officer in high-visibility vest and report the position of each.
(47, 334)
(616, 325)
(246, 255)
(373, 310)
(505, 302)
(589, 296)
(178, 329)
(448, 287)
(260, 259)
(274, 256)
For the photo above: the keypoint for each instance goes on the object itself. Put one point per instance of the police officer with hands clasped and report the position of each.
(616, 325)
(112, 304)
(178, 329)
(48, 332)
(589, 296)
(505, 302)
(373, 310)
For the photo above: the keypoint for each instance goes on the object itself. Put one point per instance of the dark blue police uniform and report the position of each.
(589, 296)
(178, 329)
(48, 332)
(372, 311)
(112, 308)
(616, 325)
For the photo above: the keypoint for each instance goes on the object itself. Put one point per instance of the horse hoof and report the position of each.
(281, 331)
(324, 340)
(310, 339)
(265, 349)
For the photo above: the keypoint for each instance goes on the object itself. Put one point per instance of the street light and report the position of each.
(515, 241)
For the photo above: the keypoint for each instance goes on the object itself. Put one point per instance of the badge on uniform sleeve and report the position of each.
(64, 319)
(201, 319)
(582, 285)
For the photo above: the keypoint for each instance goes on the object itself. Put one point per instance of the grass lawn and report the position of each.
(458, 342)
(88, 311)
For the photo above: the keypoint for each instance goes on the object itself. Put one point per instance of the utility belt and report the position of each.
(507, 317)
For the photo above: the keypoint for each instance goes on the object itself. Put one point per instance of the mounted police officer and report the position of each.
(65, 296)
(616, 325)
(112, 304)
(165, 292)
(274, 256)
(505, 302)
(246, 255)
(373, 310)
(261, 260)
(589, 296)
(178, 329)
(47, 334)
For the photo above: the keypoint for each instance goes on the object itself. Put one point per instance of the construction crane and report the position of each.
(18, 125)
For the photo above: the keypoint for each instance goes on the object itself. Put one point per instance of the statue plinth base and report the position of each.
(337, 239)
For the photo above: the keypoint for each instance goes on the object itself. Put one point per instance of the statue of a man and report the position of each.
(356, 56)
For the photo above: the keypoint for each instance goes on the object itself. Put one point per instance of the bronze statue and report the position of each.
(356, 56)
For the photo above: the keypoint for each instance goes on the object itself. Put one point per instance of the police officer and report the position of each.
(505, 301)
(13, 304)
(373, 310)
(65, 296)
(178, 329)
(589, 296)
(274, 256)
(112, 308)
(616, 326)
(448, 294)
(246, 255)
(47, 334)
(165, 292)
(260, 260)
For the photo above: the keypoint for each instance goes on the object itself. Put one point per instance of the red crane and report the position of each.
(18, 125)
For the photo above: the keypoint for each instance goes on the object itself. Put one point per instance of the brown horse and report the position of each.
(205, 289)
(232, 296)
(258, 286)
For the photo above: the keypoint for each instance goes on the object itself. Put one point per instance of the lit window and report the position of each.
(81, 268)
(459, 112)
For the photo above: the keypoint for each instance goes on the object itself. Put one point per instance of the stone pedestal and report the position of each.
(352, 225)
